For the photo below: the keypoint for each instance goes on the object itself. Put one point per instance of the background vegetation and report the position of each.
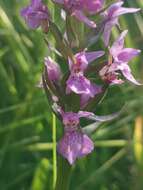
(27, 127)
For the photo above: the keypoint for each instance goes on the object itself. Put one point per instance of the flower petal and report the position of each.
(36, 3)
(127, 54)
(74, 145)
(113, 8)
(33, 23)
(103, 118)
(35, 13)
(78, 84)
(118, 44)
(53, 69)
(126, 71)
(87, 146)
(70, 145)
(81, 17)
(24, 11)
(93, 6)
(91, 56)
(81, 62)
(124, 10)
(85, 114)
(95, 89)
(117, 81)
(107, 30)
(94, 117)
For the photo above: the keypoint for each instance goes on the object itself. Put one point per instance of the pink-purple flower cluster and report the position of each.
(79, 81)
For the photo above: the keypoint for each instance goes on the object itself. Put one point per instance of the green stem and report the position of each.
(63, 177)
(54, 151)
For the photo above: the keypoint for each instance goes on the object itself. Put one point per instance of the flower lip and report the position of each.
(75, 145)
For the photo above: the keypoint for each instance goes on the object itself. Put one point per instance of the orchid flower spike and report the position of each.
(78, 8)
(36, 14)
(121, 56)
(111, 17)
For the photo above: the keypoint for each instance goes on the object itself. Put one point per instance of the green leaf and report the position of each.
(42, 176)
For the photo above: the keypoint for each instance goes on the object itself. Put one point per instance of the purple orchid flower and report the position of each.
(111, 16)
(121, 56)
(110, 77)
(77, 8)
(53, 69)
(77, 82)
(36, 14)
(75, 144)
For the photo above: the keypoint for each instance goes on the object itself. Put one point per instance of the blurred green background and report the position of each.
(27, 130)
